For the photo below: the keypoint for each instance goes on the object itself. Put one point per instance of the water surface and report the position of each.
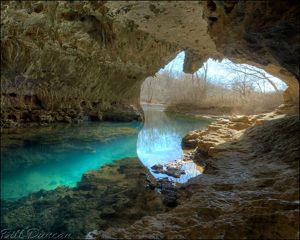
(48, 157)
(160, 139)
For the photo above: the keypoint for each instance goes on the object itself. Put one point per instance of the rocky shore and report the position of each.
(249, 189)
(213, 139)
(114, 195)
(34, 112)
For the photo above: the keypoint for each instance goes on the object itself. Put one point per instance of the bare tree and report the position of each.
(199, 90)
(257, 75)
(205, 69)
(147, 90)
(203, 79)
(243, 85)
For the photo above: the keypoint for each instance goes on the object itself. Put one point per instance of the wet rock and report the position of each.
(157, 168)
(172, 169)
(77, 120)
(96, 116)
(122, 113)
(174, 172)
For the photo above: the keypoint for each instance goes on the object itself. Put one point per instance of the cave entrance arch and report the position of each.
(233, 88)
(217, 88)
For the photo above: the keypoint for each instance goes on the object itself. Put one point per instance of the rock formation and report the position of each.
(249, 189)
(91, 57)
(68, 60)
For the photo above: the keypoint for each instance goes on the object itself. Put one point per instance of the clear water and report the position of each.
(160, 140)
(45, 158)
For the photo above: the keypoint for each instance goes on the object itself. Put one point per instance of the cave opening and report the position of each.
(77, 157)
(218, 87)
(175, 103)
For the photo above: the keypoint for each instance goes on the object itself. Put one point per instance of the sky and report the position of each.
(217, 70)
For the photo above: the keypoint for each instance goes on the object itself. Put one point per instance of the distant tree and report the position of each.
(244, 89)
(147, 89)
(243, 85)
(205, 69)
(258, 76)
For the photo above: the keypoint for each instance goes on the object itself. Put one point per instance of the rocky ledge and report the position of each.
(249, 189)
(213, 139)
(33, 113)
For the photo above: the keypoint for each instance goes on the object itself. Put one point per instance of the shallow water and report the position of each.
(160, 139)
(48, 157)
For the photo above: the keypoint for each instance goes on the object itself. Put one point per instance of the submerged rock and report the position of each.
(114, 195)
(172, 169)
(157, 168)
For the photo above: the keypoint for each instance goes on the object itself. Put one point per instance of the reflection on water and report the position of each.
(160, 139)
(48, 157)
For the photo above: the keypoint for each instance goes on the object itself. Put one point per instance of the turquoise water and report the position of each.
(45, 158)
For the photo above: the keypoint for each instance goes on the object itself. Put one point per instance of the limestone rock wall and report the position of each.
(260, 33)
(66, 54)
(72, 55)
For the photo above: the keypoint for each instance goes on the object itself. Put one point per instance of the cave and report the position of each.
(77, 159)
